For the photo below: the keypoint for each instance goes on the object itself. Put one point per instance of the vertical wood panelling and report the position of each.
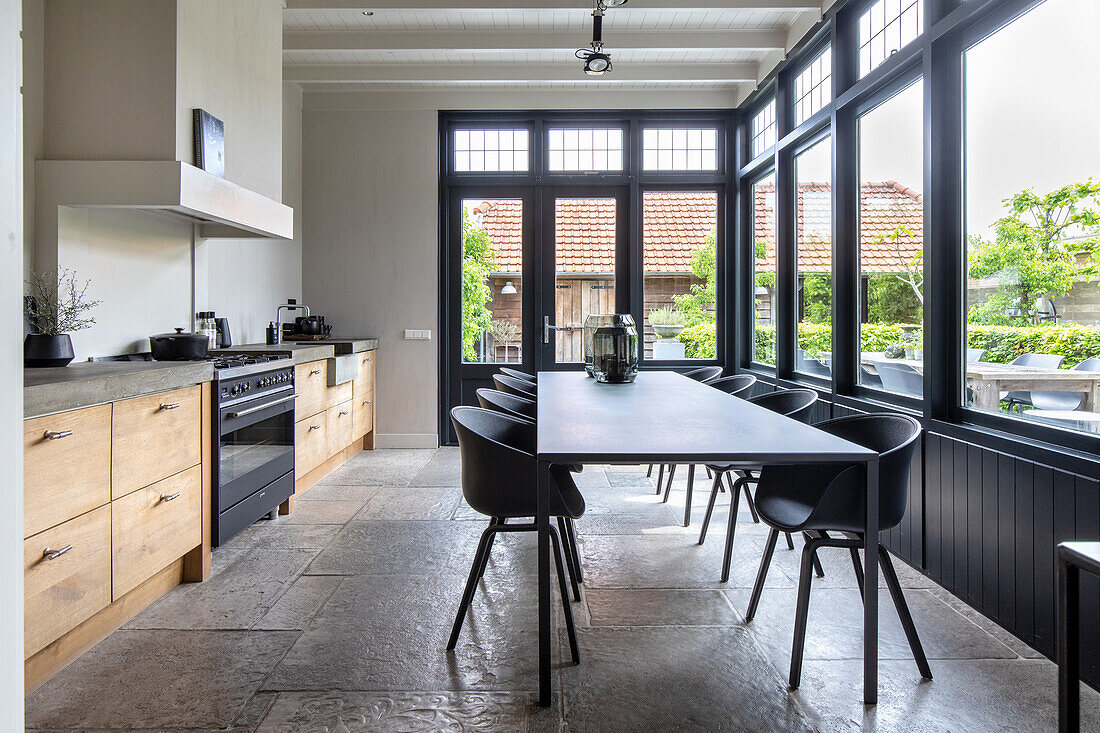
(946, 518)
(974, 524)
(989, 534)
(1006, 540)
(1025, 549)
(932, 494)
(1043, 487)
(960, 497)
(1087, 516)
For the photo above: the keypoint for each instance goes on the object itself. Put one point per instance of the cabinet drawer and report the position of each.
(363, 411)
(366, 368)
(310, 444)
(60, 593)
(338, 394)
(311, 383)
(68, 474)
(155, 437)
(153, 526)
(339, 427)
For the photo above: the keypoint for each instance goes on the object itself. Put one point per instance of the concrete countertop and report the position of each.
(55, 389)
(304, 351)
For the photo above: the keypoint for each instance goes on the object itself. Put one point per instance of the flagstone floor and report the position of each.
(335, 618)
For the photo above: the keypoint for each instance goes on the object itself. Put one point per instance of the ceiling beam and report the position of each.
(368, 73)
(547, 5)
(511, 40)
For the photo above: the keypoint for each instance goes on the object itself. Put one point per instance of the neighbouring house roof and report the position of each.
(675, 224)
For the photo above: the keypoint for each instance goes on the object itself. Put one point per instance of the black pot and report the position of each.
(47, 350)
(179, 346)
(310, 325)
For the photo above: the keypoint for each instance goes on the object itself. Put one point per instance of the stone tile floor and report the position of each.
(336, 619)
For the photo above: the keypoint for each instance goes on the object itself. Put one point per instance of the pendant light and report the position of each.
(596, 62)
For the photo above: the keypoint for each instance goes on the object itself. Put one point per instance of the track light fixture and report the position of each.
(596, 62)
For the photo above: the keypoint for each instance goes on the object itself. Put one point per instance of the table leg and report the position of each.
(1069, 646)
(687, 504)
(987, 394)
(870, 583)
(542, 519)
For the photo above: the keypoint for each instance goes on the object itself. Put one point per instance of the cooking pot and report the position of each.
(179, 346)
(310, 325)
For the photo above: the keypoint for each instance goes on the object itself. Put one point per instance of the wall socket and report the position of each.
(415, 334)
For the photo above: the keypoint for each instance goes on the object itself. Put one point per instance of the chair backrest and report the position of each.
(517, 374)
(1091, 364)
(511, 385)
(900, 378)
(812, 365)
(498, 466)
(704, 374)
(738, 385)
(1043, 361)
(509, 404)
(895, 438)
(796, 404)
(973, 355)
(869, 378)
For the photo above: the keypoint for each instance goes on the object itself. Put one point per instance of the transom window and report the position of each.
(811, 87)
(490, 150)
(763, 129)
(679, 149)
(585, 149)
(885, 27)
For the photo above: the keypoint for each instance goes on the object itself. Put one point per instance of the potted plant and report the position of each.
(667, 322)
(57, 306)
(504, 333)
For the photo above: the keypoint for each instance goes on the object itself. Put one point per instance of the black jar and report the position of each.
(615, 350)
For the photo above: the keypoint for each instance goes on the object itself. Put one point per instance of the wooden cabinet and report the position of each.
(67, 466)
(155, 437)
(366, 368)
(339, 427)
(66, 577)
(310, 443)
(153, 526)
(339, 394)
(311, 384)
(363, 411)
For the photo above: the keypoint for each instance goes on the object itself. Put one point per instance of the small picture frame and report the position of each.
(209, 143)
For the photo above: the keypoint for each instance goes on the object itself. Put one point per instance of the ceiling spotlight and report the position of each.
(596, 61)
(368, 13)
(614, 3)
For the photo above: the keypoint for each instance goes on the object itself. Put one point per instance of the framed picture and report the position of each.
(209, 143)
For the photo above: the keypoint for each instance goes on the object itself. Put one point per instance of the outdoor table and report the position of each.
(664, 417)
(1088, 422)
(1073, 557)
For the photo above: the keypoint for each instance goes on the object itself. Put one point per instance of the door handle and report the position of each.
(547, 328)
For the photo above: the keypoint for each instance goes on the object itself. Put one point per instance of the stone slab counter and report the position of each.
(301, 353)
(56, 389)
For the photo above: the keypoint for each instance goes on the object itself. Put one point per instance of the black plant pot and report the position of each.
(47, 350)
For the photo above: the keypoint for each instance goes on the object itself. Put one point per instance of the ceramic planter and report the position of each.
(47, 350)
(667, 331)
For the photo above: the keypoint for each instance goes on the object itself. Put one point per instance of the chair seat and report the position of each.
(782, 502)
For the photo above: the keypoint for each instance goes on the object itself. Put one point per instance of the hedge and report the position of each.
(699, 341)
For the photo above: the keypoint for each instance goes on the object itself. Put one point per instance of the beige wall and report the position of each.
(371, 231)
(11, 387)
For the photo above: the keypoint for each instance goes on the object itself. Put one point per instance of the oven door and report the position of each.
(255, 446)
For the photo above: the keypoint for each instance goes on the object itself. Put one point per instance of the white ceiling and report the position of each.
(333, 45)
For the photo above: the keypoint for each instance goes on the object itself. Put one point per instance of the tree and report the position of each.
(1042, 247)
(698, 306)
(478, 261)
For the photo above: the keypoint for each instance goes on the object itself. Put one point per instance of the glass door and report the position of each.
(583, 256)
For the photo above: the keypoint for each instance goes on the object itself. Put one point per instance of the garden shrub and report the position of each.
(699, 341)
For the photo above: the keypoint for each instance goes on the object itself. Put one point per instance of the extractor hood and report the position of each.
(222, 208)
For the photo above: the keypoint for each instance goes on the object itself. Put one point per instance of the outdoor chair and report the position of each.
(900, 378)
(813, 366)
(974, 355)
(1064, 400)
(1019, 398)
(819, 499)
(498, 469)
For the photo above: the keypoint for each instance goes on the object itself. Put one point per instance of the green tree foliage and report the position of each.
(1042, 247)
(699, 305)
(478, 261)
(891, 299)
(817, 298)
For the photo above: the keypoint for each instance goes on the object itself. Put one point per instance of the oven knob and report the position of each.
(263, 382)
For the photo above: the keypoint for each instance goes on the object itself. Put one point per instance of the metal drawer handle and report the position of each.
(51, 554)
(250, 410)
(314, 427)
(170, 497)
(314, 371)
(169, 405)
(58, 435)
(342, 413)
(366, 402)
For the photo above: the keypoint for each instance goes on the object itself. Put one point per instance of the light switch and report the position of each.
(414, 334)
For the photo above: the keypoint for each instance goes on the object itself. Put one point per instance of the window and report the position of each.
(814, 239)
(763, 129)
(885, 27)
(584, 270)
(492, 265)
(1030, 296)
(585, 149)
(763, 237)
(891, 243)
(679, 149)
(490, 150)
(812, 88)
(679, 253)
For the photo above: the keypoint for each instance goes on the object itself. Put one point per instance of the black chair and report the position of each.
(797, 404)
(704, 374)
(509, 404)
(819, 499)
(807, 364)
(1018, 398)
(498, 468)
(869, 378)
(974, 355)
(900, 378)
(517, 374)
(518, 387)
(1064, 400)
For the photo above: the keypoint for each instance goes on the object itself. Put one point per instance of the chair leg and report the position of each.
(668, 487)
(761, 575)
(566, 605)
(801, 613)
(710, 506)
(817, 561)
(494, 522)
(471, 582)
(731, 529)
(902, 607)
(752, 504)
(569, 559)
(572, 531)
(687, 504)
(790, 541)
(649, 471)
(660, 478)
(858, 567)
(710, 474)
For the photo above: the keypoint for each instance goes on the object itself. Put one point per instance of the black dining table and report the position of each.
(664, 417)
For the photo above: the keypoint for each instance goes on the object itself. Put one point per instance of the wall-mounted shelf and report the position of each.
(221, 207)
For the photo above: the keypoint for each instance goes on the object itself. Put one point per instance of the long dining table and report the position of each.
(664, 417)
